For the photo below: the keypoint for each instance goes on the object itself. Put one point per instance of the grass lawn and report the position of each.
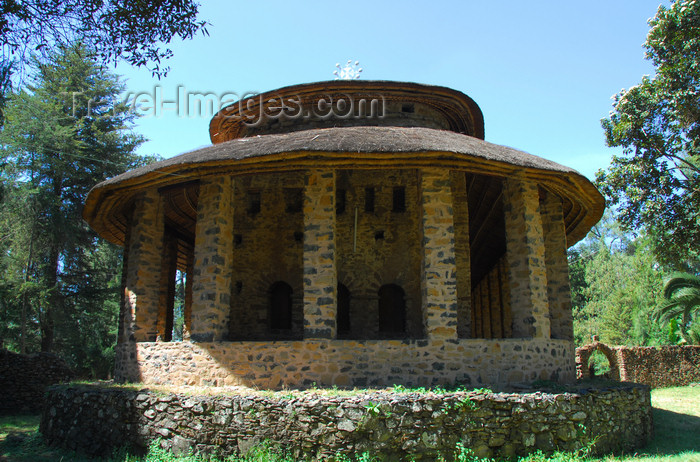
(676, 437)
(676, 427)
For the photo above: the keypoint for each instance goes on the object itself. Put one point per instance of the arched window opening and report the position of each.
(392, 310)
(280, 306)
(343, 313)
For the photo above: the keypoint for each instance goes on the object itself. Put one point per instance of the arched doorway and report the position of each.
(586, 362)
(392, 311)
(280, 306)
(343, 313)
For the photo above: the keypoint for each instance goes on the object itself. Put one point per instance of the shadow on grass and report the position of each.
(20, 441)
(674, 433)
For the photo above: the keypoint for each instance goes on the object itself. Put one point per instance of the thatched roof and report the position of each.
(348, 103)
(346, 148)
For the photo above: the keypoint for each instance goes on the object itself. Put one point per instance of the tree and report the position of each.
(121, 29)
(615, 283)
(682, 294)
(655, 184)
(64, 133)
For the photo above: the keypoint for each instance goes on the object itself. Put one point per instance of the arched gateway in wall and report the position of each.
(355, 233)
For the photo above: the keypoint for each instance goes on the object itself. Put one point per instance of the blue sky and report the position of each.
(543, 72)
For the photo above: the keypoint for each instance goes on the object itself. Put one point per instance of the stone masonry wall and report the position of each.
(384, 247)
(347, 363)
(439, 280)
(526, 257)
(211, 278)
(143, 271)
(460, 207)
(24, 378)
(666, 366)
(268, 247)
(320, 275)
(558, 287)
(320, 425)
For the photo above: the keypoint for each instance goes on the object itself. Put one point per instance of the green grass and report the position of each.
(676, 427)
(20, 441)
(676, 439)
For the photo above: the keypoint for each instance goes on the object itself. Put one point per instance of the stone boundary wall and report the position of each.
(666, 366)
(321, 425)
(24, 378)
(347, 363)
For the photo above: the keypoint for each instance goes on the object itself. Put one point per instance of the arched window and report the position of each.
(343, 314)
(392, 310)
(280, 306)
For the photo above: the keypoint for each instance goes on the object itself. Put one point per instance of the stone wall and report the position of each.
(347, 363)
(321, 425)
(24, 378)
(268, 246)
(666, 366)
(382, 247)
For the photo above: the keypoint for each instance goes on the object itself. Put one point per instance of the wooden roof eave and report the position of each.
(108, 199)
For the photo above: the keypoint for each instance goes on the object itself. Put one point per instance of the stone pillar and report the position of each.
(144, 261)
(320, 276)
(526, 257)
(460, 206)
(507, 323)
(558, 288)
(439, 275)
(213, 259)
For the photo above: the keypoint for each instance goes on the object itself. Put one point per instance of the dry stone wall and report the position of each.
(24, 378)
(668, 366)
(347, 363)
(321, 426)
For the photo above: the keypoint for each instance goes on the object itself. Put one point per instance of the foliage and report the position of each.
(656, 182)
(615, 284)
(133, 31)
(59, 284)
(682, 304)
(600, 363)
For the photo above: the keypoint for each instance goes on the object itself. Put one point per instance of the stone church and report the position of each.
(350, 233)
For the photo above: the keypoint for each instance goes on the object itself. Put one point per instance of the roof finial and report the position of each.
(349, 71)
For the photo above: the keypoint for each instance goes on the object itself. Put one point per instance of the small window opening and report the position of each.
(294, 198)
(280, 306)
(253, 202)
(408, 107)
(369, 200)
(379, 235)
(238, 240)
(399, 199)
(340, 201)
(298, 236)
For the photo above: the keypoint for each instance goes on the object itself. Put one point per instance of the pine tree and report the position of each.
(65, 132)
